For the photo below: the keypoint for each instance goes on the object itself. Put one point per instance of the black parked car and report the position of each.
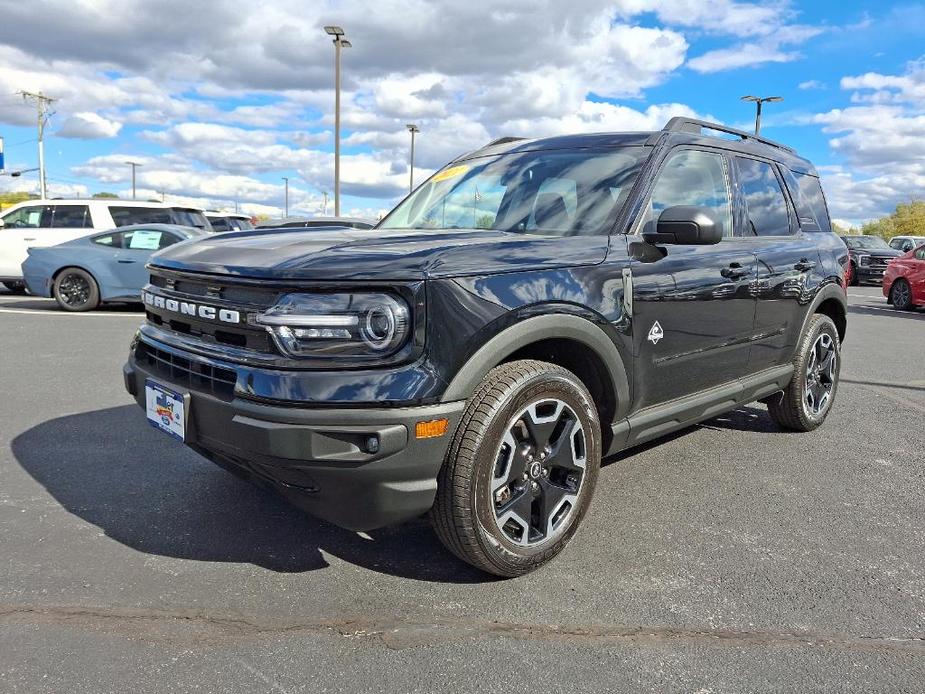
(532, 307)
(869, 257)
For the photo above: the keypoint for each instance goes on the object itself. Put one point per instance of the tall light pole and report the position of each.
(412, 128)
(339, 43)
(286, 179)
(758, 101)
(41, 102)
(134, 165)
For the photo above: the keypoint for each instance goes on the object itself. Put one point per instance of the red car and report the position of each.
(904, 280)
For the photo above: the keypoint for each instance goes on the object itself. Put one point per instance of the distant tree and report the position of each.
(907, 220)
(106, 196)
(842, 230)
(9, 199)
(485, 221)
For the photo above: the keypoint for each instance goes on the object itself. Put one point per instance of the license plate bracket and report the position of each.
(167, 409)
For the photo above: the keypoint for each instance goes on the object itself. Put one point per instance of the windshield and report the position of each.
(865, 242)
(547, 193)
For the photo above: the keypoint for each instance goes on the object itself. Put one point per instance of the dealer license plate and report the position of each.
(166, 409)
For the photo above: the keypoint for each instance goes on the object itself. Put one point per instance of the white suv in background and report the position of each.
(50, 222)
(906, 243)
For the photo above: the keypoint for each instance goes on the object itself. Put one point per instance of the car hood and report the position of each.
(360, 254)
(877, 252)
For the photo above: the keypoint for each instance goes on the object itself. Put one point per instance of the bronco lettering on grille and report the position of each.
(188, 308)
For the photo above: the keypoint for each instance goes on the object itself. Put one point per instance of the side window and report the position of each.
(143, 240)
(221, 223)
(692, 177)
(125, 216)
(112, 240)
(71, 217)
(168, 239)
(766, 211)
(920, 254)
(24, 217)
(810, 202)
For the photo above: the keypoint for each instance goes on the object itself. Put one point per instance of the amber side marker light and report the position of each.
(431, 429)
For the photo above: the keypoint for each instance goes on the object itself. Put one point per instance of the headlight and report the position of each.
(367, 325)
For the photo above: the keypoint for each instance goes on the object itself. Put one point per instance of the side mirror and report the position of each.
(686, 225)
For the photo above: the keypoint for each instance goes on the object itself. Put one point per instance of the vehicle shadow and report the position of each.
(154, 495)
(887, 310)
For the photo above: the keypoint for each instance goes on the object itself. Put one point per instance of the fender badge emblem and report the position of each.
(656, 333)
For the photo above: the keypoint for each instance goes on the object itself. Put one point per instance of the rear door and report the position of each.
(693, 309)
(788, 257)
(134, 249)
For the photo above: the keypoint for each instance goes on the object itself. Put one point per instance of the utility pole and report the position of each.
(339, 43)
(42, 103)
(758, 101)
(287, 197)
(134, 165)
(412, 128)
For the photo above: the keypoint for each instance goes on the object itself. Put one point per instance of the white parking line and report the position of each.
(33, 312)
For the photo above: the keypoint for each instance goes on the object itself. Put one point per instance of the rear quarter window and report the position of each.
(809, 201)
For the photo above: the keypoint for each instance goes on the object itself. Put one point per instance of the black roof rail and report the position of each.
(504, 140)
(680, 124)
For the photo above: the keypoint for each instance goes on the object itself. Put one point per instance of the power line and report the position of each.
(42, 103)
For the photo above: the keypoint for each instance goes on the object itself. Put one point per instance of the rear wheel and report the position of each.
(901, 295)
(16, 287)
(521, 470)
(76, 290)
(806, 402)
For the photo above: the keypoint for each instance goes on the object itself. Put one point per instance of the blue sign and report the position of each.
(1, 154)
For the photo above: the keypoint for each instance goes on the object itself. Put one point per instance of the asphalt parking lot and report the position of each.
(730, 557)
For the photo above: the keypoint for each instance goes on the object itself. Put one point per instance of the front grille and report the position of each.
(179, 370)
(879, 262)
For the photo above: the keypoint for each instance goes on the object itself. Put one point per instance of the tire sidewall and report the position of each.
(906, 306)
(822, 325)
(537, 387)
(92, 301)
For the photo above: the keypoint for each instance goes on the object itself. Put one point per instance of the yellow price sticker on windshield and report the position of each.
(451, 172)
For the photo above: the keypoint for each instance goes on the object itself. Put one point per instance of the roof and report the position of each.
(677, 131)
(106, 202)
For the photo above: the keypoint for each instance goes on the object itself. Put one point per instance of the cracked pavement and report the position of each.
(729, 557)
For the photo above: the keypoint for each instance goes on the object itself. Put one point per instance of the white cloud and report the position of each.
(89, 126)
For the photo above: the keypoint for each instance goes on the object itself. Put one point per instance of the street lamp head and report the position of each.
(413, 128)
(344, 43)
(774, 98)
(750, 98)
(334, 30)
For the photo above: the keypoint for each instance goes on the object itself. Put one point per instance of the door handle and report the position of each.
(805, 265)
(734, 272)
(28, 238)
(125, 262)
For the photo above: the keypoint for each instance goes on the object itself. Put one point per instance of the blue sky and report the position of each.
(220, 105)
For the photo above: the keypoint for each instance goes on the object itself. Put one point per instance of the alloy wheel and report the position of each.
(74, 290)
(902, 295)
(539, 471)
(821, 369)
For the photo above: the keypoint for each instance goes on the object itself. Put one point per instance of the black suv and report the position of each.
(532, 307)
(869, 257)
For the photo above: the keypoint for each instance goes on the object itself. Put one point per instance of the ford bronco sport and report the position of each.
(532, 307)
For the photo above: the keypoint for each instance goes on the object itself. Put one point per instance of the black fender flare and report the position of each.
(535, 329)
(832, 290)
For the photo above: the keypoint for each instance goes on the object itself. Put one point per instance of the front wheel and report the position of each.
(76, 290)
(521, 470)
(806, 402)
(901, 295)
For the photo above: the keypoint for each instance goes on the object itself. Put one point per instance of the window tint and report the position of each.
(70, 216)
(125, 216)
(809, 200)
(189, 218)
(220, 223)
(766, 211)
(25, 217)
(691, 177)
(920, 254)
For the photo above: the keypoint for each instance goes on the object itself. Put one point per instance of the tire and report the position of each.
(795, 408)
(16, 287)
(901, 295)
(854, 282)
(497, 469)
(76, 290)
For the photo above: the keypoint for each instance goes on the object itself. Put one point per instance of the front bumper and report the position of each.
(868, 273)
(318, 458)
